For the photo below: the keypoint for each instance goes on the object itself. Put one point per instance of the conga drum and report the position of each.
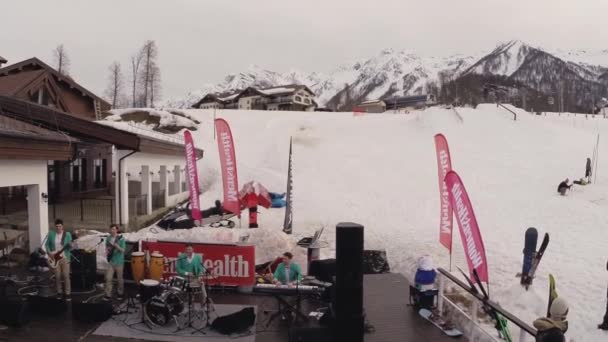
(137, 266)
(157, 265)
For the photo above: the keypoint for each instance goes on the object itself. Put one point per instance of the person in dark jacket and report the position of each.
(553, 328)
(604, 324)
(588, 170)
(563, 187)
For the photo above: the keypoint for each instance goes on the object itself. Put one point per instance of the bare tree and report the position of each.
(62, 60)
(155, 85)
(114, 91)
(135, 65)
(150, 71)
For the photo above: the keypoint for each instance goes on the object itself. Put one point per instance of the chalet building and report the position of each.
(59, 165)
(402, 103)
(288, 98)
(33, 80)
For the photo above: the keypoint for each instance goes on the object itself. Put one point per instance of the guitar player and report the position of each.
(115, 248)
(59, 240)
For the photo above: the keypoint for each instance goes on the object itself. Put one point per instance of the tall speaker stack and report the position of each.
(349, 282)
(83, 269)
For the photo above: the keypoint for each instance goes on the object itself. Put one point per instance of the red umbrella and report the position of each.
(254, 193)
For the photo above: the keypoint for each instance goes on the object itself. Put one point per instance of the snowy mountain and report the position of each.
(584, 76)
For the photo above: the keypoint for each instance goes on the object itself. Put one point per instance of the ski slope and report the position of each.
(380, 170)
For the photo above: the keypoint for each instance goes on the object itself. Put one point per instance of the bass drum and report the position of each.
(160, 309)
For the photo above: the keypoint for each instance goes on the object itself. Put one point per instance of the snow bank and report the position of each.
(380, 171)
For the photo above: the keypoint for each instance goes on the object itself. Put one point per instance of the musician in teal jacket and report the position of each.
(56, 240)
(190, 266)
(288, 272)
(115, 253)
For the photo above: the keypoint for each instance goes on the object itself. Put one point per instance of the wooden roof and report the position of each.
(85, 129)
(21, 140)
(36, 64)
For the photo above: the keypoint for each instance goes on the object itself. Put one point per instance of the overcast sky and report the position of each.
(201, 41)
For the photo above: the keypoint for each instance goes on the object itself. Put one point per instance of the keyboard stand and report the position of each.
(285, 308)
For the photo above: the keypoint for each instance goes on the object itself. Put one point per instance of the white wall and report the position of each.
(154, 161)
(33, 174)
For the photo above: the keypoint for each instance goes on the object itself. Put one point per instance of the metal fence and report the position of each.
(158, 200)
(477, 299)
(85, 209)
(138, 205)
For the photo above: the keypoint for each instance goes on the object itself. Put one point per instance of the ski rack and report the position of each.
(525, 328)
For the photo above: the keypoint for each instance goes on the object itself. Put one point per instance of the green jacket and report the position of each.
(118, 257)
(294, 270)
(195, 267)
(65, 240)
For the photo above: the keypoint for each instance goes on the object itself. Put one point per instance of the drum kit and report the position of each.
(166, 300)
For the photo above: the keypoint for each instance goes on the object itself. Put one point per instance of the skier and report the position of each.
(425, 289)
(588, 170)
(553, 329)
(563, 187)
(604, 325)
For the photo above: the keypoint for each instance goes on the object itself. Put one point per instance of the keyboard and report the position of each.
(287, 290)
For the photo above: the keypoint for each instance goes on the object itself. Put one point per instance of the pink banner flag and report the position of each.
(444, 164)
(469, 229)
(191, 170)
(225, 145)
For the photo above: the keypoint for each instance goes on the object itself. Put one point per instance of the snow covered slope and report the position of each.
(380, 171)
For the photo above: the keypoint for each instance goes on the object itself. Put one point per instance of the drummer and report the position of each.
(190, 266)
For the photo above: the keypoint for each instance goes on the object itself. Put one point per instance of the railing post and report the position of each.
(475, 310)
(111, 211)
(441, 292)
(81, 209)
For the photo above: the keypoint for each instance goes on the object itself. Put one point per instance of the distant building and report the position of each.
(288, 97)
(34, 81)
(410, 102)
(373, 106)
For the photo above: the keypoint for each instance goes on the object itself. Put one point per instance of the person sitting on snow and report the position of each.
(217, 210)
(424, 280)
(553, 328)
(563, 187)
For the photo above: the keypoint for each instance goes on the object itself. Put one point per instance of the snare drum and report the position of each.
(157, 265)
(148, 288)
(177, 283)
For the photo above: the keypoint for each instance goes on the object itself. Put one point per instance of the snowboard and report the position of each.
(531, 239)
(529, 278)
(552, 294)
(440, 323)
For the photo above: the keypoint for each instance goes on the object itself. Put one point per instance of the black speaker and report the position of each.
(375, 262)
(324, 270)
(349, 282)
(47, 305)
(83, 267)
(237, 322)
(92, 312)
(130, 248)
(15, 312)
(310, 334)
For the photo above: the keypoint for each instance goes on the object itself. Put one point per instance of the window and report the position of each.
(298, 98)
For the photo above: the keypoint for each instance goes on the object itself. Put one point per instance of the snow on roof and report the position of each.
(278, 90)
(372, 102)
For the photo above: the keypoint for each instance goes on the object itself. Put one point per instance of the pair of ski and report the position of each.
(499, 320)
(532, 257)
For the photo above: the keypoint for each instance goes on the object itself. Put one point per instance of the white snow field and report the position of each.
(380, 170)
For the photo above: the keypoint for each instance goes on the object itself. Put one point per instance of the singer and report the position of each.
(115, 248)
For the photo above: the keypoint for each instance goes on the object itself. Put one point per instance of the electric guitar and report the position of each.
(111, 248)
(55, 257)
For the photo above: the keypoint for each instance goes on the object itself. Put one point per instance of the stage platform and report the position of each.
(385, 297)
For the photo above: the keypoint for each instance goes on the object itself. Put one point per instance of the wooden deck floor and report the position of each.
(385, 297)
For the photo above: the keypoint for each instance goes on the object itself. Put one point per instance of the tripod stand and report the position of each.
(208, 305)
